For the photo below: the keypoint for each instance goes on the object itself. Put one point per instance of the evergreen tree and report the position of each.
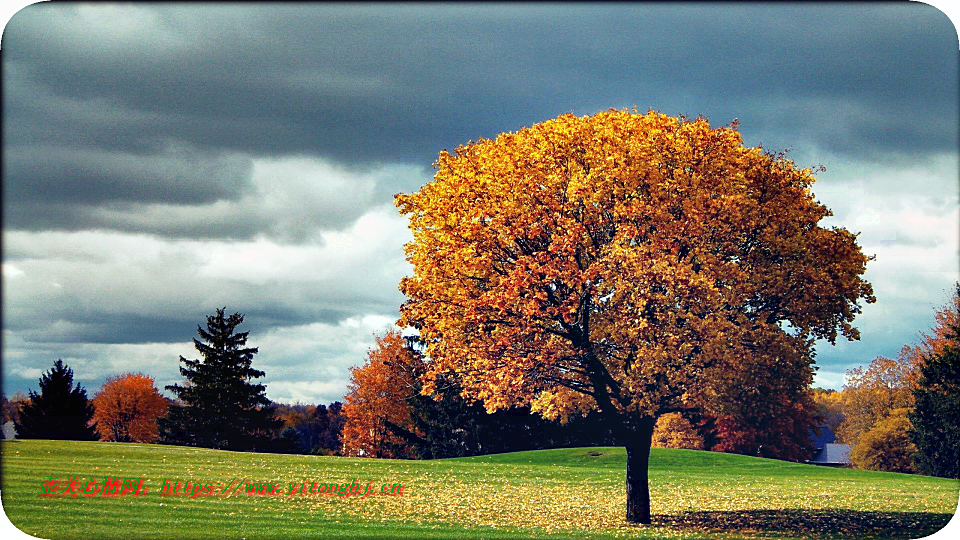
(936, 416)
(60, 411)
(219, 405)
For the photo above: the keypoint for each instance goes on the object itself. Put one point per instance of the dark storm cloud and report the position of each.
(89, 324)
(165, 160)
(92, 327)
(110, 328)
(399, 83)
(84, 176)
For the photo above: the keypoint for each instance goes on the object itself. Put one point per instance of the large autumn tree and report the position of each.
(630, 263)
(126, 409)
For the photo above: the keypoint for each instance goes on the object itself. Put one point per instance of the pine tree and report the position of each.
(936, 416)
(220, 406)
(60, 411)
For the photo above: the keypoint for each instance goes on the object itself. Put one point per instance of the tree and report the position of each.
(765, 408)
(886, 446)
(318, 427)
(377, 398)
(11, 407)
(329, 421)
(830, 407)
(674, 431)
(219, 405)
(626, 263)
(443, 424)
(60, 411)
(127, 408)
(873, 393)
(936, 417)
(944, 333)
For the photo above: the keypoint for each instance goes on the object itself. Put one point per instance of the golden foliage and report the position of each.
(126, 409)
(675, 431)
(886, 446)
(873, 393)
(638, 259)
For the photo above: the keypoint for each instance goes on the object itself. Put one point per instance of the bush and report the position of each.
(675, 431)
(886, 446)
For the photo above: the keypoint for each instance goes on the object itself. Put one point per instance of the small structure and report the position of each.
(827, 451)
(832, 455)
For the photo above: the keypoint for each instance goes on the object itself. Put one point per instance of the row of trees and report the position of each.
(218, 406)
(311, 429)
(901, 414)
(389, 416)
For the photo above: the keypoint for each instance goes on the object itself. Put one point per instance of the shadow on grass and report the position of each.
(812, 523)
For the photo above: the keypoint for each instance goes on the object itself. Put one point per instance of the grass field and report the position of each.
(563, 493)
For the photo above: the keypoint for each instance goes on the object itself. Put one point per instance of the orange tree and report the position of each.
(377, 404)
(629, 263)
(126, 409)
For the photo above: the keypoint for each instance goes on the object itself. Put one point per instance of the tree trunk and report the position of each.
(638, 460)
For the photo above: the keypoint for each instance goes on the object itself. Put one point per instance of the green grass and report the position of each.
(563, 493)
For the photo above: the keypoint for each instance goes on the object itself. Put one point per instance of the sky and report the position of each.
(163, 161)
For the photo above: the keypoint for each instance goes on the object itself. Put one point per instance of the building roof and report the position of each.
(833, 454)
(824, 437)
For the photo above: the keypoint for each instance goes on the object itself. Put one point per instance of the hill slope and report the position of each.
(558, 493)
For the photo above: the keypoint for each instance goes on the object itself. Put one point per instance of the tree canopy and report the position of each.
(630, 263)
(378, 399)
(127, 409)
(871, 394)
(936, 416)
(886, 446)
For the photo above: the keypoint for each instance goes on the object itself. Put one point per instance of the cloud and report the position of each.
(92, 286)
(164, 160)
(907, 214)
(311, 363)
(829, 379)
(85, 176)
(289, 199)
(10, 271)
(308, 363)
(134, 117)
(399, 83)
